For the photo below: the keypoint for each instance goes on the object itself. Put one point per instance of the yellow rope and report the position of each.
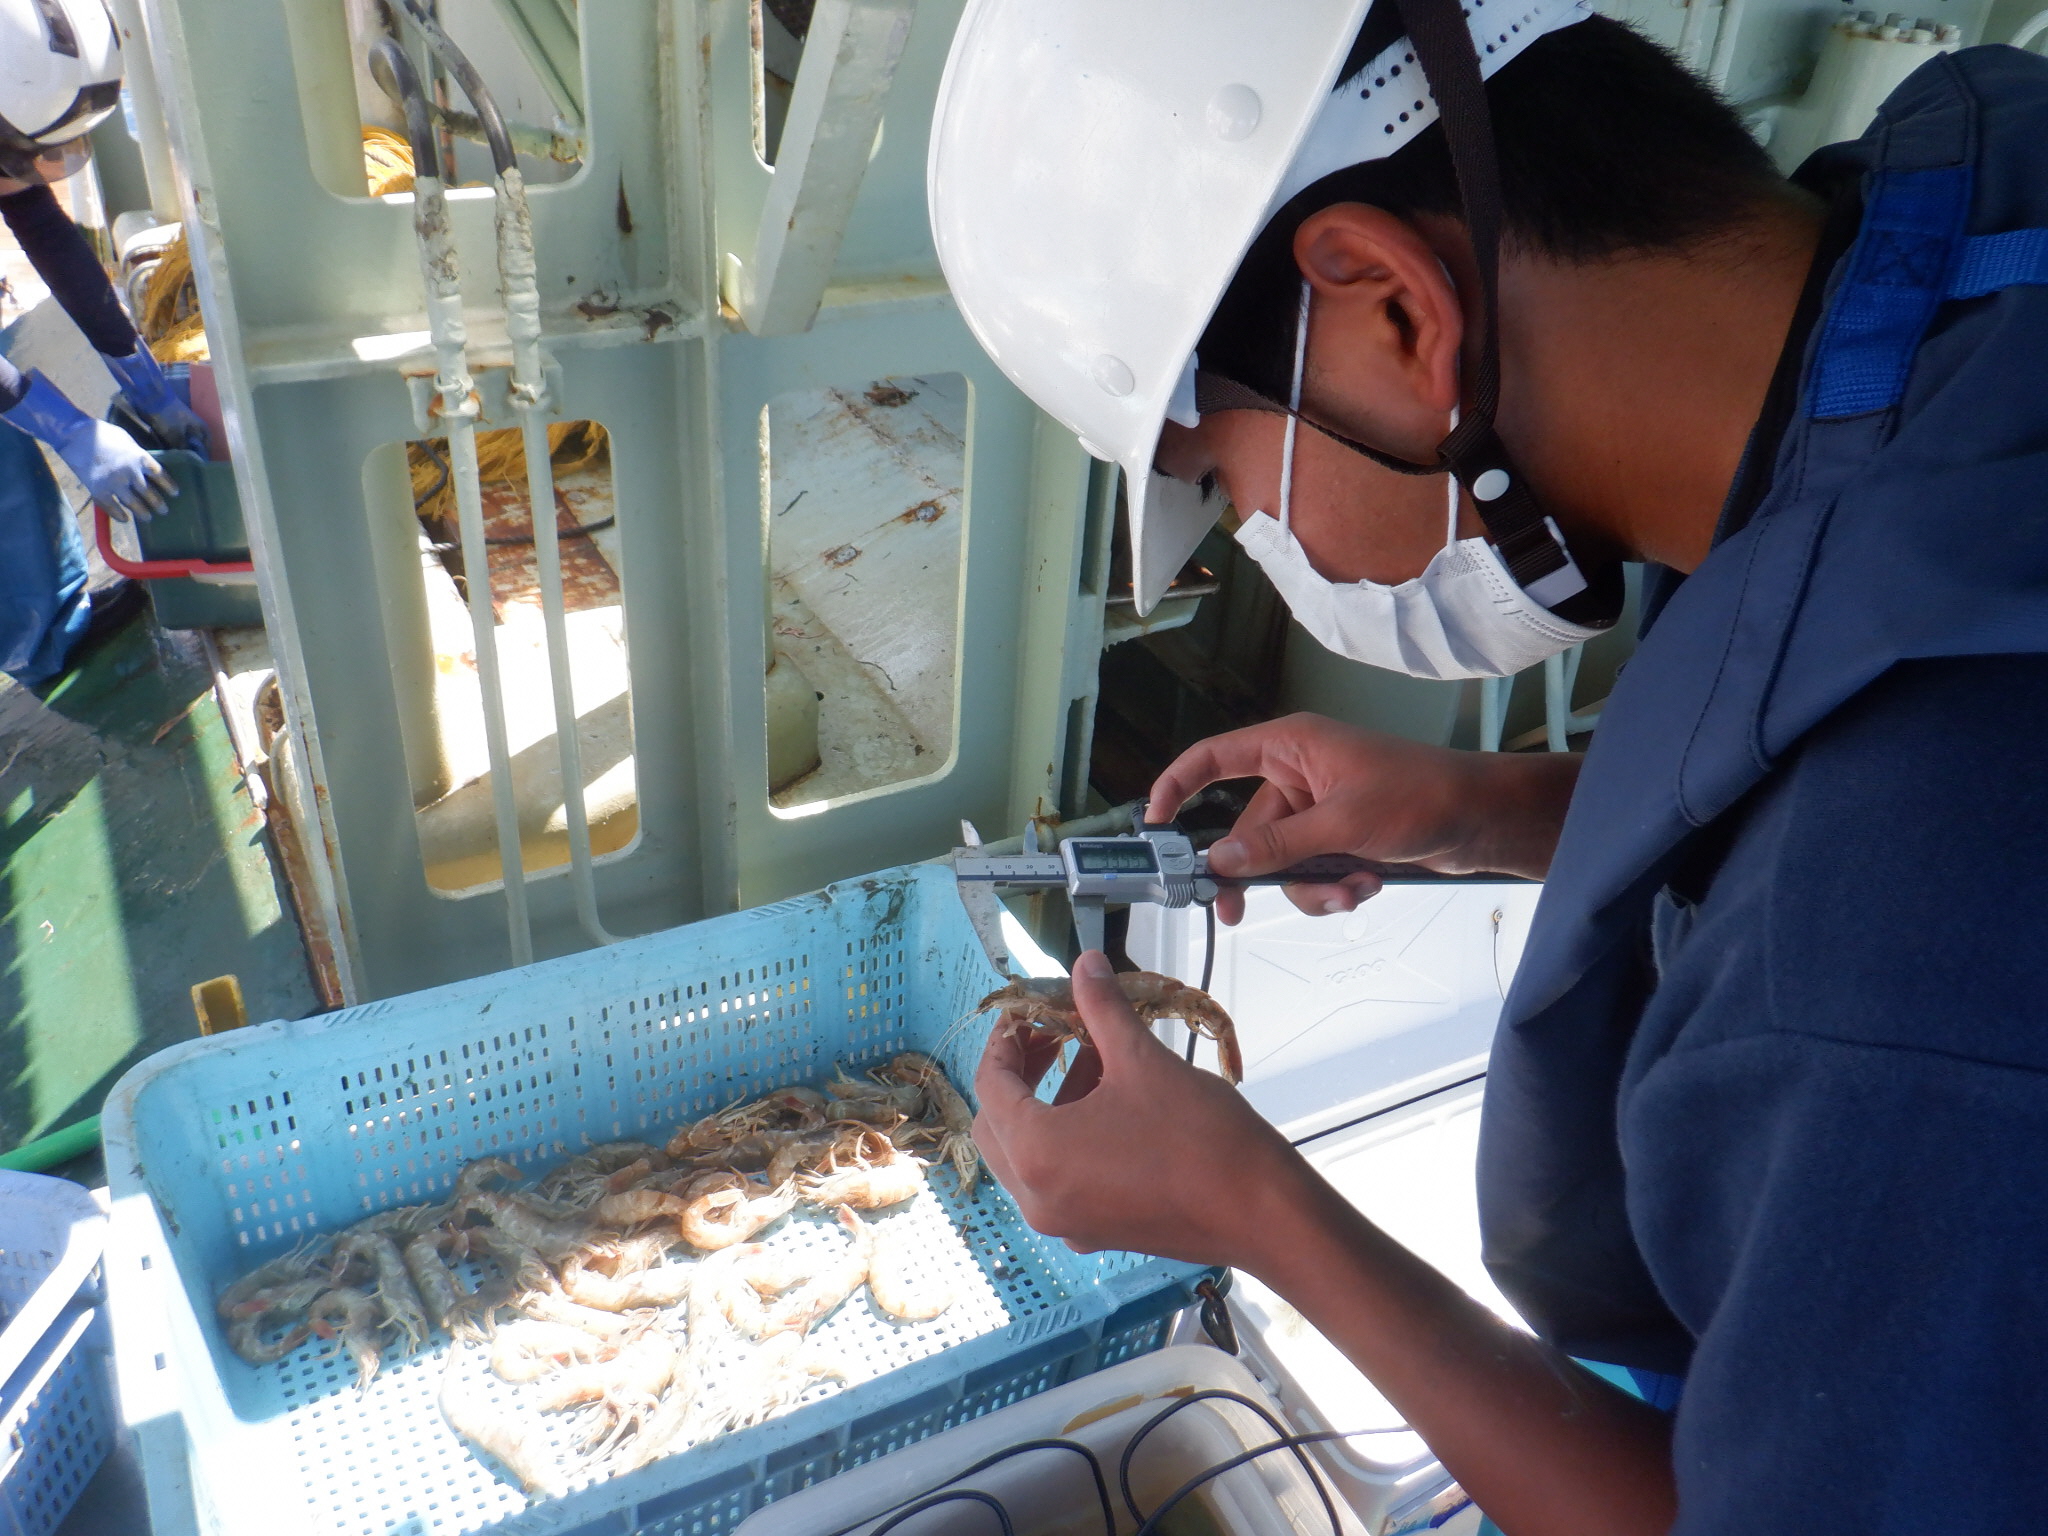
(170, 321)
(387, 161)
(501, 456)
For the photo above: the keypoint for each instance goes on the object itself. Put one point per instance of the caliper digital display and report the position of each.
(1114, 856)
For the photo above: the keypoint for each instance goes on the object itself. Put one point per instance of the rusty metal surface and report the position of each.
(588, 580)
(865, 545)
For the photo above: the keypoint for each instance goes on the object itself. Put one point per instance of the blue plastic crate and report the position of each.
(56, 1423)
(224, 1151)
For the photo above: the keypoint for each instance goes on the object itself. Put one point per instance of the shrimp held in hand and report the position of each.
(1048, 1003)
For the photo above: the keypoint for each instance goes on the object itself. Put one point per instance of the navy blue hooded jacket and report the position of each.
(1769, 1105)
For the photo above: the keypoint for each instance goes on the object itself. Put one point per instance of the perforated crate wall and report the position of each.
(258, 1139)
(56, 1420)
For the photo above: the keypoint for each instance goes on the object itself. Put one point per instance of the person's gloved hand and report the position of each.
(148, 393)
(117, 470)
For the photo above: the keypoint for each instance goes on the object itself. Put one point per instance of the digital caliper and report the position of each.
(1150, 863)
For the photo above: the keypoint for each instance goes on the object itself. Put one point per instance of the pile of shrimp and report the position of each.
(625, 1282)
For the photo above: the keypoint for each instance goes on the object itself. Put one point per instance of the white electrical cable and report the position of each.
(517, 277)
(457, 410)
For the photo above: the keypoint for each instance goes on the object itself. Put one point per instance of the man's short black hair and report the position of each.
(1607, 144)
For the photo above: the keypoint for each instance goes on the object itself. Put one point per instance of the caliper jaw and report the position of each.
(984, 908)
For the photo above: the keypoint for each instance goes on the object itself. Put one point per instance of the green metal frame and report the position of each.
(310, 293)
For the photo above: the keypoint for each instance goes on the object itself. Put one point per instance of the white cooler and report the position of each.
(1365, 1040)
(1051, 1493)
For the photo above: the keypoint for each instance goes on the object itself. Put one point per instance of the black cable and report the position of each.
(1123, 1466)
(503, 541)
(1150, 1525)
(518, 540)
(396, 78)
(956, 1496)
(1208, 965)
(439, 485)
(1094, 1471)
(456, 62)
(1019, 1449)
(1463, 1082)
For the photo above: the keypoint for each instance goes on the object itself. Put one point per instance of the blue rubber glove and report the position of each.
(150, 395)
(119, 473)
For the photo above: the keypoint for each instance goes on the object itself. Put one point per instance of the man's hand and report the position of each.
(1140, 1150)
(1334, 788)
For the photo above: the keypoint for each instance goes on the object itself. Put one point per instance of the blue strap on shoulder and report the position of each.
(1992, 262)
(1910, 257)
(1897, 276)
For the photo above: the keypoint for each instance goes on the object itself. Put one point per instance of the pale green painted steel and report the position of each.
(546, 33)
(310, 295)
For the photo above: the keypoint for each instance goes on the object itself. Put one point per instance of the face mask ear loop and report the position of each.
(1294, 409)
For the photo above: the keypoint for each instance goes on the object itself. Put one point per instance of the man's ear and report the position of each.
(1379, 286)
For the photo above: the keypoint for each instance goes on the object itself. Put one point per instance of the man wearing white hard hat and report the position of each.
(1453, 310)
(60, 76)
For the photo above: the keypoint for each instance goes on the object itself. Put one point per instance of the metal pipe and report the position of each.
(1689, 37)
(1116, 819)
(138, 63)
(530, 401)
(457, 409)
(1724, 44)
(1493, 710)
(1560, 676)
(517, 276)
(536, 143)
(456, 62)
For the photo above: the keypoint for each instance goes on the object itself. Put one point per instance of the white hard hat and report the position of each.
(1100, 167)
(60, 74)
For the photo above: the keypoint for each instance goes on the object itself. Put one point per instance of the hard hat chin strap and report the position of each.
(1527, 541)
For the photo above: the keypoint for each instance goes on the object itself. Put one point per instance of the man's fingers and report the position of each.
(988, 1140)
(1328, 900)
(1259, 848)
(1082, 1076)
(1006, 1081)
(1254, 752)
(1113, 1025)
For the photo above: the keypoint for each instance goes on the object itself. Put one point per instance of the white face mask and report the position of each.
(1462, 617)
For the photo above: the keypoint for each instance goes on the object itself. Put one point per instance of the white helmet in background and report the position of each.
(1100, 167)
(60, 74)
